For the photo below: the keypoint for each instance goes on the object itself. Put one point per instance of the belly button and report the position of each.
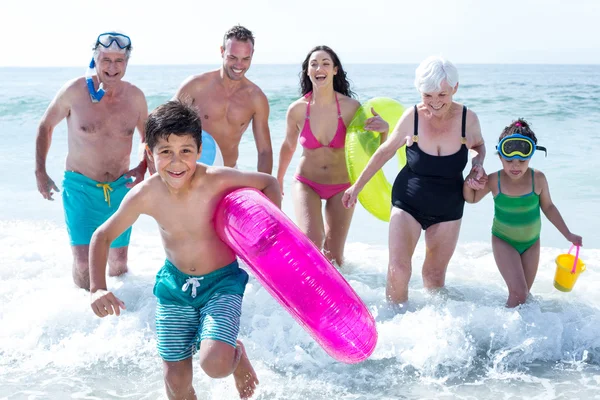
(192, 269)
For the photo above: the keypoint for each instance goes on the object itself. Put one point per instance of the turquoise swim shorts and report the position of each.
(192, 308)
(88, 204)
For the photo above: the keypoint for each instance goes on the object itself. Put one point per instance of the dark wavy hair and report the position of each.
(173, 118)
(340, 81)
(520, 127)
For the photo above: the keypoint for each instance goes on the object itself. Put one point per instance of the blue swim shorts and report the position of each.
(88, 204)
(192, 308)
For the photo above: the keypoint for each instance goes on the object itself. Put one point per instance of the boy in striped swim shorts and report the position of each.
(199, 289)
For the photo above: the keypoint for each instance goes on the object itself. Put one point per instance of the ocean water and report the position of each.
(461, 343)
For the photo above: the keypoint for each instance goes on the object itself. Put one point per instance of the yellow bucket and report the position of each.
(568, 268)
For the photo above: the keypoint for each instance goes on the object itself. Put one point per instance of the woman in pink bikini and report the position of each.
(318, 121)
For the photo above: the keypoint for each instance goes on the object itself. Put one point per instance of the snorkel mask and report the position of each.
(105, 40)
(518, 146)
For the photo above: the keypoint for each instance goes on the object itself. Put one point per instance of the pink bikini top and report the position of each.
(308, 139)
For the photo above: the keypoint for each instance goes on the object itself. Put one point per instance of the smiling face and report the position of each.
(321, 69)
(237, 57)
(111, 66)
(175, 160)
(439, 102)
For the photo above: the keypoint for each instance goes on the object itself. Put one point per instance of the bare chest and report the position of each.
(181, 220)
(236, 111)
(108, 119)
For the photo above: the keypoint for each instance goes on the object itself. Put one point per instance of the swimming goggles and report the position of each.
(518, 146)
(108, 38)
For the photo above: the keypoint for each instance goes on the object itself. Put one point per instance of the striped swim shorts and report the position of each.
(192, 308)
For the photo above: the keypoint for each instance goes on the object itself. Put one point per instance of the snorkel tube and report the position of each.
(95, 95)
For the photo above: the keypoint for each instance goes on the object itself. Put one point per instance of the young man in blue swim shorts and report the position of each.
(100, 127)
(199, 289)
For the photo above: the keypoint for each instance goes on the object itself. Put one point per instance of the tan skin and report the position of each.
(171, 197)
(323, 165)
(99, 141)
(440, 120)
(519, 270)
(227, 102)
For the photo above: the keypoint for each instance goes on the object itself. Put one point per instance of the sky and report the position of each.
(61, 32)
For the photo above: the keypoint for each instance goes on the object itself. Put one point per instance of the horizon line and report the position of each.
(286, 64)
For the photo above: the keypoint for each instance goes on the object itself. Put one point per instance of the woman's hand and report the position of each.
(477, 178)
(376, 123)
(350, 196)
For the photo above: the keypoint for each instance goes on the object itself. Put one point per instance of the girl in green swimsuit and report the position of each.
(519, 194)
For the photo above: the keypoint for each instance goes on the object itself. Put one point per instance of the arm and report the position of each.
(140, 170)
(472, 195)
(477, 144)
(389, 147)
(288, 147)
(104, 302)
(231, 178)
(551, 212)
(58, 109)
(262, 136)
(184, 93)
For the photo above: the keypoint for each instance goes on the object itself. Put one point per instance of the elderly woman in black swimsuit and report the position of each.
(427, 194)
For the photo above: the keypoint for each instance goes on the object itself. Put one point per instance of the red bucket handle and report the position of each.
(576, 258)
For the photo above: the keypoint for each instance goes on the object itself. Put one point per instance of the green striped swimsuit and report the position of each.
(517, 218)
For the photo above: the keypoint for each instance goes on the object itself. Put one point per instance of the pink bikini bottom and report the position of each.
(324, 191)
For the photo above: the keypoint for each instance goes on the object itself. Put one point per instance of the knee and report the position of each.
(517, 295)
(399, 267)
(435, 275)
(81, 272)
(81, 263)
(318, 238)
(217, 367)
(118, 262)
(178, 383)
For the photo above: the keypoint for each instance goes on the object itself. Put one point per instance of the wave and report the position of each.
(448, 341)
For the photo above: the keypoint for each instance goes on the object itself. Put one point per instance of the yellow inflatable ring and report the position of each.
(376, 196)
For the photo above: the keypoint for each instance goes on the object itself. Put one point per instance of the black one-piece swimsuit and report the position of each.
(430, 188)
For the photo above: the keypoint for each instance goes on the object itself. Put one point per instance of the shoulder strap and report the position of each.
(308, 96)
(416, 132)
(499, 191)
(464, 121)
(532, 181)
(337, 103)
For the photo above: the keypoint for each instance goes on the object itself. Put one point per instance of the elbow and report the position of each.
(99, 237)
(387, 153)
(44, 131)
(266, 154)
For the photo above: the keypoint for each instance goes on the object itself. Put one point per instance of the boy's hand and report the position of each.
(105, 303)
(575, 239)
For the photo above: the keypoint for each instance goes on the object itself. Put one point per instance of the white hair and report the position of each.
(430, 74)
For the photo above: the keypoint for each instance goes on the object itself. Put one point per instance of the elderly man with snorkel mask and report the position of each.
(102, 113)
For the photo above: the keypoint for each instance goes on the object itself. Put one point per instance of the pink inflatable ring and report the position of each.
(296, 274)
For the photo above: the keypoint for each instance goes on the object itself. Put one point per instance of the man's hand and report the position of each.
(137, 174)
(45, 185)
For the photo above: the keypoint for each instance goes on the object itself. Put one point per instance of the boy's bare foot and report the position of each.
(244, 375)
